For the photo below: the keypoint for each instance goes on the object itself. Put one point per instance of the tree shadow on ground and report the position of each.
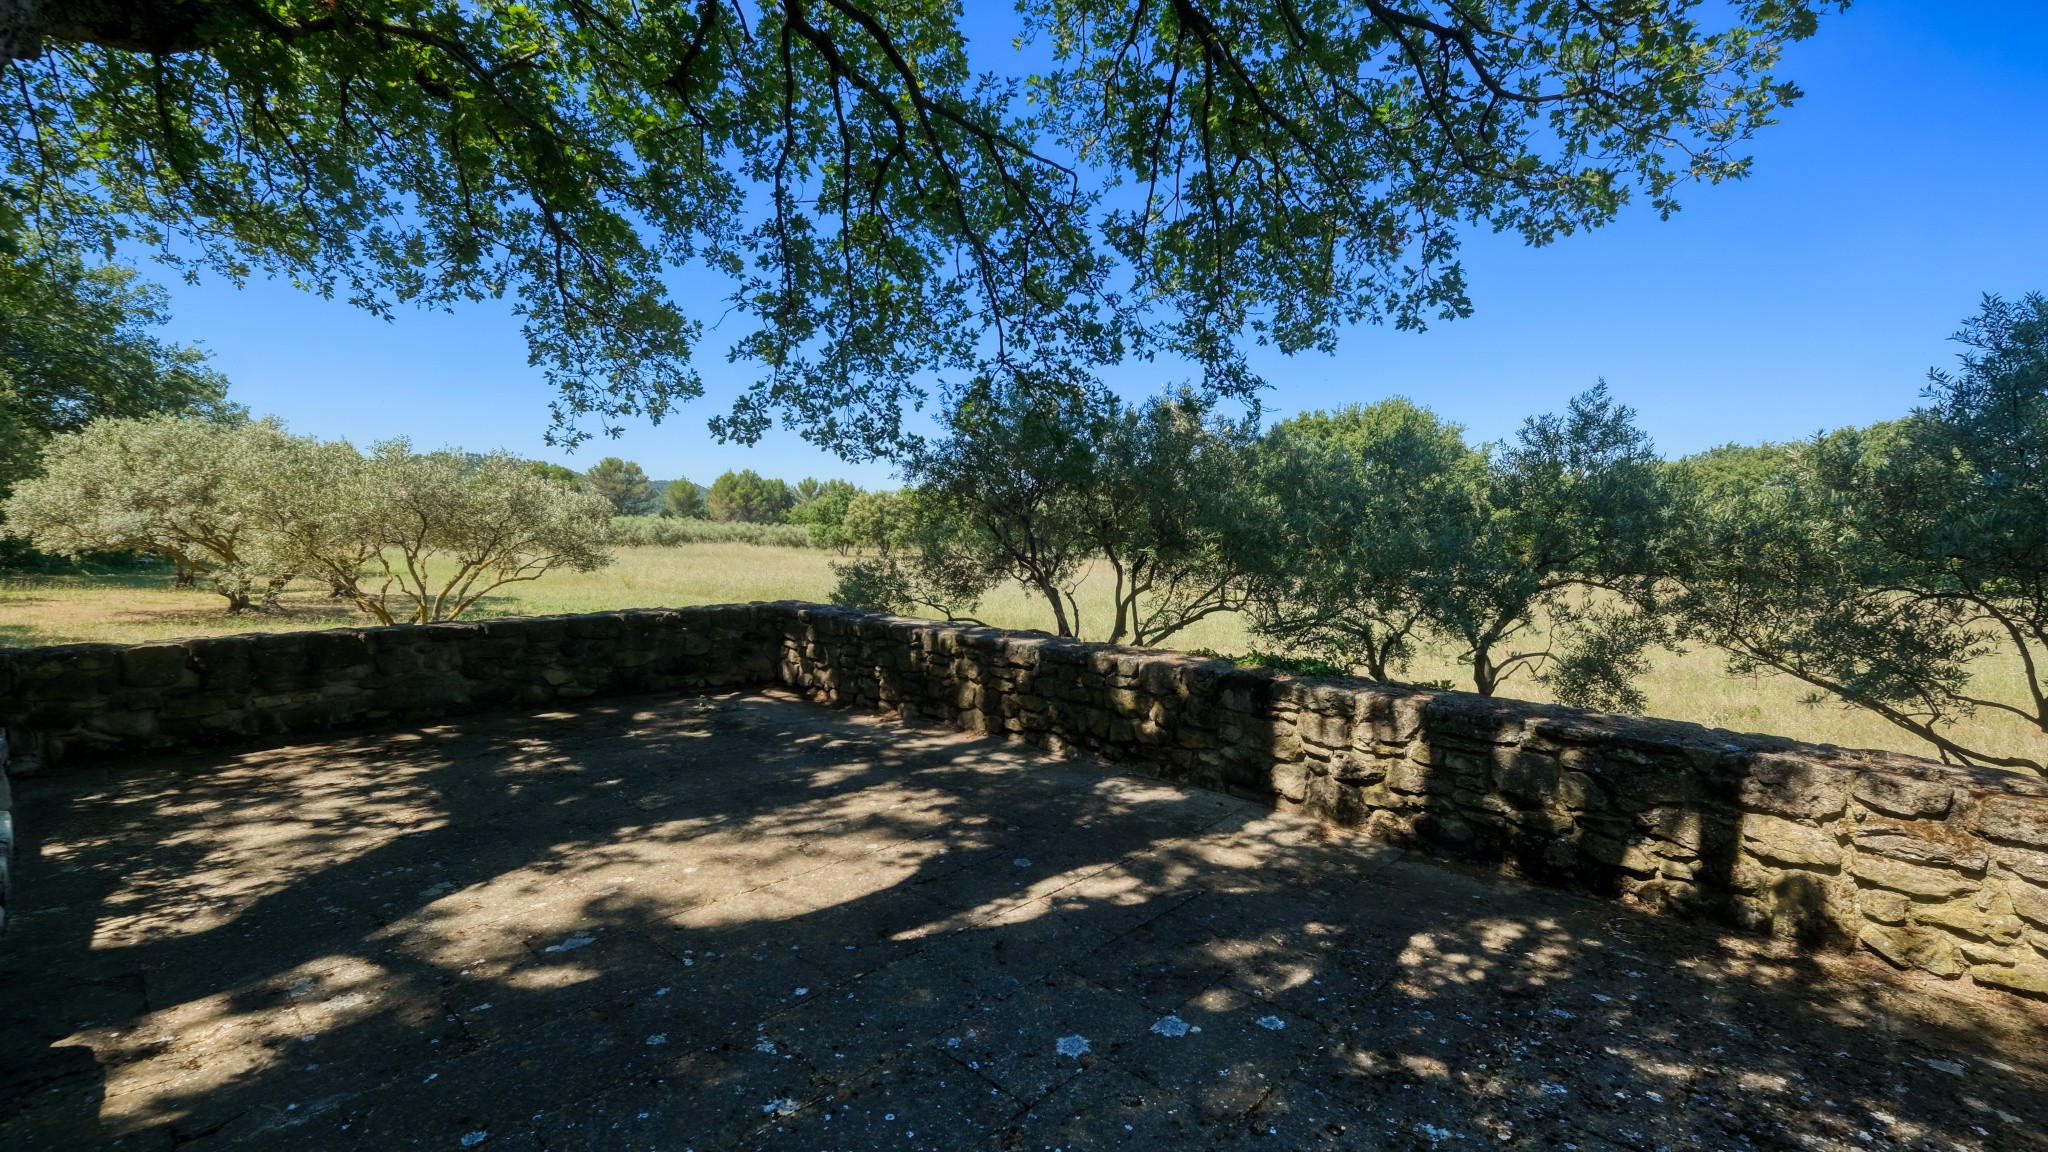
(747, 922)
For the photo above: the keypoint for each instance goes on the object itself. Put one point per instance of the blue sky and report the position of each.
(1910, 180)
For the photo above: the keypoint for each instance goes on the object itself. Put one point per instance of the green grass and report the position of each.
(132, 607)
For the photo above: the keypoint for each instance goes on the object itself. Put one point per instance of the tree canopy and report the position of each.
(76, 345)
(884, 201)
(407, 537)
(1890, 565)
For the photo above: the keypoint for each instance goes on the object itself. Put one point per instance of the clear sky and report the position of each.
(1912, 179)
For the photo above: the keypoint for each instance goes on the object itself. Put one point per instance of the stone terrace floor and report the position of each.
(747, 922)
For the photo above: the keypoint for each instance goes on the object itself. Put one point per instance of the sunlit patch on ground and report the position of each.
(750, 923)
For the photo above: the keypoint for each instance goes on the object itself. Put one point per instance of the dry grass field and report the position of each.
(1683, 686)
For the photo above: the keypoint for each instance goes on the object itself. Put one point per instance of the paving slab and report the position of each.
(747, 922)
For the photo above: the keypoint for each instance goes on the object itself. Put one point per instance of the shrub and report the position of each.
(671, 532)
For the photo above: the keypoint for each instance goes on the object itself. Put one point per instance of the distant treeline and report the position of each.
(813, 509)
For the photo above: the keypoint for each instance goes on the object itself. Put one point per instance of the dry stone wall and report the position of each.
(1936, 868)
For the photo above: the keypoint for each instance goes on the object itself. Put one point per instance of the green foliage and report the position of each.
(821, 507)
(1170, 175)
(566, 477)
(191, 491)
(684, 501)
(623, 484)
(428, 535)
(747, 496)
(676, 531)
(1297, 665)
(1165, 509)
(912, 554)
(1576, 502)
(1379, 526)
(1012, 478)
(76, 345)
(406, 537)
(1036, 477)
(1357, 513)
(1880, 564)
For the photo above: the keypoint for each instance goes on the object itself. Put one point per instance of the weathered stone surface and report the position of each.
(2019, 821)
(1528, 777)
(1911, 948)
(2021, 862)
(1980, 918)
(1913, 880)
(1883, 905)
(2031, 979)
(2029, 901)
(1897, 795)
(1902, 844)
(1788, 843)
(1795, 789)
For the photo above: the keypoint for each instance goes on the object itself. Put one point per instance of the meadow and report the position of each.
(134, 607)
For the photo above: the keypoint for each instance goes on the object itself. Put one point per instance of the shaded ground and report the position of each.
(749, 923)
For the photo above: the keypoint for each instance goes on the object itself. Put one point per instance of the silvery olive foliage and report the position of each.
(408, 537)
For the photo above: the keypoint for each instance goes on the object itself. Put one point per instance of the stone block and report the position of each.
(1529, 777)
(1794, 788)
(2020, 862)
(1898, 843)
(153, 665)
(1896, 795)
(1883, 905)
(1913, 948)
(1579, 792)
(1325, 731)
(1417, 779)
(2031, 979)
(1980, 918)
(1785, 842)
(1291, 780)
(2029, 901)
(1911, 879)
(2015, 819)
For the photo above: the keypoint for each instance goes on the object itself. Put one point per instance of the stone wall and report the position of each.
(1936, 868)
(84, 700)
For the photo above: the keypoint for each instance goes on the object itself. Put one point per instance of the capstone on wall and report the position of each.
(1936, 868)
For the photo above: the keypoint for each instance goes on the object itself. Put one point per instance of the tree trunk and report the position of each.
(1059, 609)
(1485, 677)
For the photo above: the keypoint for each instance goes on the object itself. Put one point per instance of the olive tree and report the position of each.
(184, 489)
(1358, 512)
(1889, 566)
(1167, 512)
(1013, 473)
(1565, 528)
(437, 532)
(886, 201)
(406, 537)
(1037, 481)
(909, 555)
